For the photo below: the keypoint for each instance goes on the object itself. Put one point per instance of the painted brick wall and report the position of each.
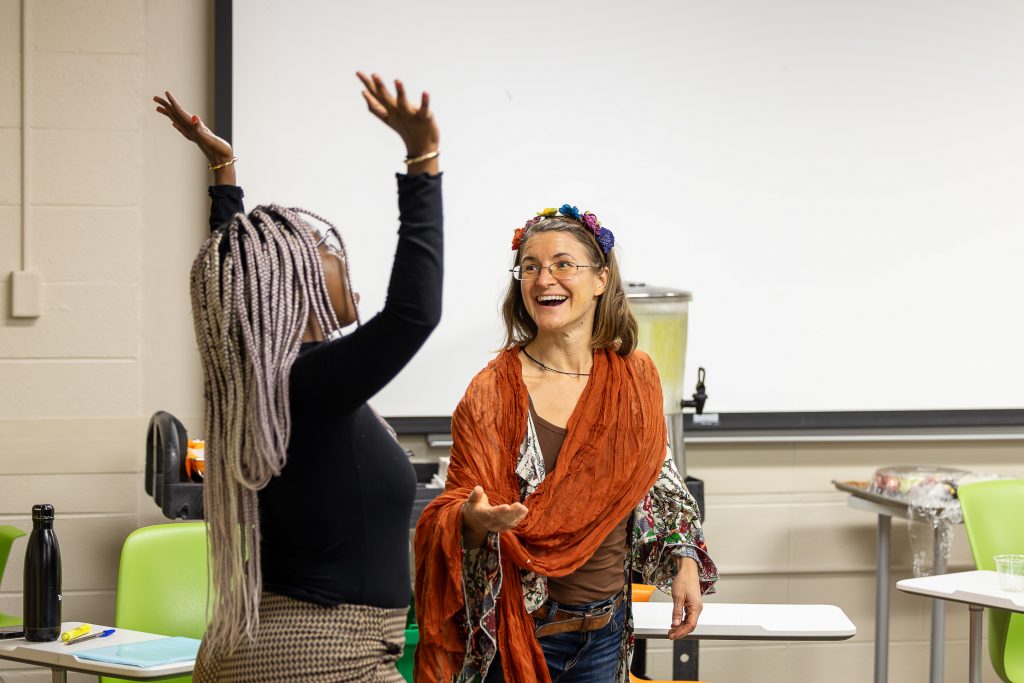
(116, 210)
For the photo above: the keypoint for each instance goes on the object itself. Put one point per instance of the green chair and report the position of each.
(408, 658)
(8, 534)
(162, 582)
(994, 519)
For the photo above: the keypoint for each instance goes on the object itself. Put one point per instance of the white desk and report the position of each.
(729, 621)
(978, 589)
(60, 658)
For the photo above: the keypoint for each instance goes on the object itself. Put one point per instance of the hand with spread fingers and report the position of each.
(217, 150)
(686, 600)
(414, 124)
(480, 517)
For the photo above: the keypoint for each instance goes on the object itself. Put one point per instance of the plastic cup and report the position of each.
(1010, 570)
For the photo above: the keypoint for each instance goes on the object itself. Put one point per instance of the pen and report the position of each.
(68, 636)
(83, 638)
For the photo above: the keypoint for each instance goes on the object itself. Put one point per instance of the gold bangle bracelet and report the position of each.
(409, 161)
(215, 167)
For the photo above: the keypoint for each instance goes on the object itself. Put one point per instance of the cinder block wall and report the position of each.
(116, 209)
(781, 533)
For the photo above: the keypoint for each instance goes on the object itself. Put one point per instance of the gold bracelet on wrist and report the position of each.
(409, 161)
(217, 167)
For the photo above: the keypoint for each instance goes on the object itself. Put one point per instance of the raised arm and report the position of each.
(415, 125)
(226, 197)
(413, 306)
(216, 150)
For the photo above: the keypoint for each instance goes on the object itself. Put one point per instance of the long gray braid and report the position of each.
(254, 283)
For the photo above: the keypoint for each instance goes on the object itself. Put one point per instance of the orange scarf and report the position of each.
(613, 451)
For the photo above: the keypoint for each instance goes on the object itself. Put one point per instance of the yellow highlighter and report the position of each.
(75, 632)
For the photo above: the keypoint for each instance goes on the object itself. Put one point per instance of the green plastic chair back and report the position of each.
(8, 534)
(994, 519)
(162, 582)
(408, 659)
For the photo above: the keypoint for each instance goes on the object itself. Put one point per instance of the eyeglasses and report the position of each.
(560, 270)
(330, 240)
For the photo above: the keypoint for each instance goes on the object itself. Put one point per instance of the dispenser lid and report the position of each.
(639, 292)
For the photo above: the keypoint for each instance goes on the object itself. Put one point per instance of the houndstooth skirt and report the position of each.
(303, 641)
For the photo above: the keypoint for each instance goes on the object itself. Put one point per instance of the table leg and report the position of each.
(938, 638)
(685, 659)
(975, 659)
(882, 600)
(638, 666)
(59, 676)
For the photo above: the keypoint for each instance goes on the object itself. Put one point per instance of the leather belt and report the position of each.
(571, 621)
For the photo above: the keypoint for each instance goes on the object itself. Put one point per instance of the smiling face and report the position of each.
(564, 305)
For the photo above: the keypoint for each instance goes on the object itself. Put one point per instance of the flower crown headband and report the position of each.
(605, 238)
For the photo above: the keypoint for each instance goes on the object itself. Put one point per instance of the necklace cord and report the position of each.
(545, 367)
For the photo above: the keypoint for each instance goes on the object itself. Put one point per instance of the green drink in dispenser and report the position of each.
(662, 317)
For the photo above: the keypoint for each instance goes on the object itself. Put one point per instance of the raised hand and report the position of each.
(480, 517)
(686, 600)
(415, 125)
(217, 150)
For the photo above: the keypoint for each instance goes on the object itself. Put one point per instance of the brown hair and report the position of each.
(614, 324)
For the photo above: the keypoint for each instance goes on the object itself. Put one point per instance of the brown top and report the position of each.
(601, 576)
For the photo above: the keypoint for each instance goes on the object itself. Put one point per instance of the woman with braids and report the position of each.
(560, 484)
(308, 494)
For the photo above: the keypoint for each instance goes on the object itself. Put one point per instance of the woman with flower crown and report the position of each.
(560, 485)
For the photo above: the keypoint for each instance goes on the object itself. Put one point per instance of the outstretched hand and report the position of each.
(217, 150)
(415, 125)
(480, 517)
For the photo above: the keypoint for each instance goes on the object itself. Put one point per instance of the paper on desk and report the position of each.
(145, 653)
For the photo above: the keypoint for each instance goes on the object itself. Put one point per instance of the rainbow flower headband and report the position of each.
(605, 238)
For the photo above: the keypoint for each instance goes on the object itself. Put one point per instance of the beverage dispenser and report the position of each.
(662, 315)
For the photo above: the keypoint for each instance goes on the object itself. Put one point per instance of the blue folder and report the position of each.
(146, 653)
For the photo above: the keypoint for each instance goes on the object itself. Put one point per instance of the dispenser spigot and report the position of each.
(700, 396)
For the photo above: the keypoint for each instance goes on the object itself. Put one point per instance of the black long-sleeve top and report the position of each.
(335, 523)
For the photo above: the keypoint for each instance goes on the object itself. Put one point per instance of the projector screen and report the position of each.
(838, 184)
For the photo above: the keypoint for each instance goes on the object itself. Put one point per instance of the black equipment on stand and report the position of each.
(166, 478)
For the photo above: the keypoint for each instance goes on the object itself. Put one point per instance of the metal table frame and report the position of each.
(886, 509)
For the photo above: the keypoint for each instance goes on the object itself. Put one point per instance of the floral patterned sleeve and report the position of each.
(481, 583)
(667, 525)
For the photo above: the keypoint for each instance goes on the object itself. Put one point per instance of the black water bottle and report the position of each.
(42, 578)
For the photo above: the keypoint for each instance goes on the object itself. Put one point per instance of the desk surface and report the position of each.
(728, 621)
(977, 587)
(57, 655)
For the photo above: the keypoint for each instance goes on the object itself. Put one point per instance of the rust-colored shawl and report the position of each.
(610, 459)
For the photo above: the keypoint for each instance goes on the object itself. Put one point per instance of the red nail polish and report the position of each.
(195, 119)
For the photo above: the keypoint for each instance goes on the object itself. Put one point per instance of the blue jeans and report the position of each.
(591, 657)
